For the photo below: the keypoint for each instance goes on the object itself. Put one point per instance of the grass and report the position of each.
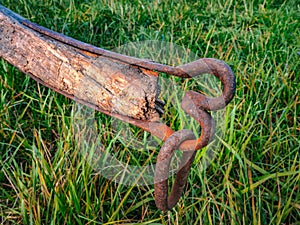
(254, 175)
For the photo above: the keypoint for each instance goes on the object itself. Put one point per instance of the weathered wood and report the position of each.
(105, 84)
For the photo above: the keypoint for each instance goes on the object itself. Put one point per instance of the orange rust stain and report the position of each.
(150, 72)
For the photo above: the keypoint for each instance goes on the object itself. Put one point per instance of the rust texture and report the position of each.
(165, 154)
(120, 86)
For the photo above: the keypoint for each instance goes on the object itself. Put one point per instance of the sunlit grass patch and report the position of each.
(253, 178)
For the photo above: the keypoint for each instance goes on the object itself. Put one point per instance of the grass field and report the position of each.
(254, 177)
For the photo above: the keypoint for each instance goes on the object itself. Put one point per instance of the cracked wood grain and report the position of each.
(104, 84)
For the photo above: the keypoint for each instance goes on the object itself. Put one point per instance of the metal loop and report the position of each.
(206, 123)
(220, 70)
(166, 152)
(193, 103)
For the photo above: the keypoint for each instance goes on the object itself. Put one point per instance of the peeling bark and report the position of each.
(104, 84)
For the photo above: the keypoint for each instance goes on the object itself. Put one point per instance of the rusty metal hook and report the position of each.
(193, 103)
(196, 105)
(165, 154)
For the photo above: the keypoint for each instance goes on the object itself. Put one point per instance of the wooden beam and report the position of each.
(105, 84)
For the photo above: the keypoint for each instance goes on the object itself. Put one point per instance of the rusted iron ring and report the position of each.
(164, 157)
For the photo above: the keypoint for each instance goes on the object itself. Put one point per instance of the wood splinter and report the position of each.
(102, 83)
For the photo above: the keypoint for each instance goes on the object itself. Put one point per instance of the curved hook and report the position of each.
(220, 70)
(193, 103)
(162, 200)
(197, 105)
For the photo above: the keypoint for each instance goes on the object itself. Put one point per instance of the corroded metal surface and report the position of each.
(193, 103)
(165, 154)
